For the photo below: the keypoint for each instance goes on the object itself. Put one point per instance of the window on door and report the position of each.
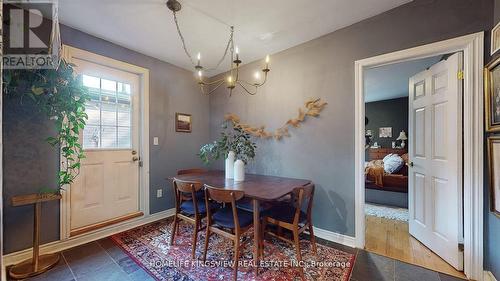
(110, 114)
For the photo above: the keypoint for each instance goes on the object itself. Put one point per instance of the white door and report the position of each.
(107, 188)
(435, 150)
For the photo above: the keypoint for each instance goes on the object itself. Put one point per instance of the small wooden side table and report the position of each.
(38, 264)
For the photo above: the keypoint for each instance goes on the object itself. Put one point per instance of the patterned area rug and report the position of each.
(148, 246)
(392, 213)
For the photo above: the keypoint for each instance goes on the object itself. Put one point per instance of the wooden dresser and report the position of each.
(380, 153)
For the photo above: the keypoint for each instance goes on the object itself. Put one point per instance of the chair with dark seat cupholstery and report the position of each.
(189, 209)
(291, 216)
(229, 222)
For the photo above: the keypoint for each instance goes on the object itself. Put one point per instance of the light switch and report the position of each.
(155, 141)
(159, 193)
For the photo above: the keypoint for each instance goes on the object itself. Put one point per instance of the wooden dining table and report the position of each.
(256, 187)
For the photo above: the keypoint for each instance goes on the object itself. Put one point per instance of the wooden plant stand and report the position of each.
(38, 264)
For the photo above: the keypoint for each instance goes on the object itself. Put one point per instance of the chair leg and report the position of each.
(262, 236)
(207, 238)
(195, 238)
(174, 229)
(236, 257)
(313, 239)
(299, 255)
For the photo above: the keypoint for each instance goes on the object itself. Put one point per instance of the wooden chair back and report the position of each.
(186, 187)
(191, 171)
(302, 195)
(224, 196)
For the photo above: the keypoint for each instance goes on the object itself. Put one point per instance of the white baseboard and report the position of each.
(61, 245)
(488, 276)
(335, 237)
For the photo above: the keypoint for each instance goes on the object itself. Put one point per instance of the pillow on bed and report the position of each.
(393, 163)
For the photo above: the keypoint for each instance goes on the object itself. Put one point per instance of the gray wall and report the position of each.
(491, 221)
(30, 163)
(324, 68)
(497, 12)
(387, 113)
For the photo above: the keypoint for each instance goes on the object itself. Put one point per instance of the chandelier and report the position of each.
(233, 78)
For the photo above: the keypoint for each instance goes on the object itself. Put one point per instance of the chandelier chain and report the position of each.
(229, 44)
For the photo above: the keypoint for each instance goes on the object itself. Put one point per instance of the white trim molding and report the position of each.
(72, 53)
(472, 47)
(335, 237)
(488, 276)
(57, 246)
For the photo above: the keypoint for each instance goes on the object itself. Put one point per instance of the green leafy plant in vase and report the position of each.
(232, 138)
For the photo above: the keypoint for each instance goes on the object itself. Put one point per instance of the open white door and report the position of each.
(435, 150)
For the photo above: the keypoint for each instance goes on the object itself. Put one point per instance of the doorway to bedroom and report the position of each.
(411, 109)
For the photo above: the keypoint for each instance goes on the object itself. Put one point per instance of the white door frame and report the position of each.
(472, 47)
(72, 53)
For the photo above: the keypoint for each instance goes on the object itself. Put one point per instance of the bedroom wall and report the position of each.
(30, 163)
(387, 113)
(324, 68)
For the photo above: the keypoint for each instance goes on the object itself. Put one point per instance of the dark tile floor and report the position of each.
(103, 260)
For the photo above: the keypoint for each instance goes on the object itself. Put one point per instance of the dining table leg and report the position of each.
(256, 234)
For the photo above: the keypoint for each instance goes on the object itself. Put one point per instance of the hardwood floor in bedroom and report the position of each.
(391, 238)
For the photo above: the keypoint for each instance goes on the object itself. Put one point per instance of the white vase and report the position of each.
(230, 164)
(239, 170)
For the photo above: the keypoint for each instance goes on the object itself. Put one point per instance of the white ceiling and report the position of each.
(262, 26)
(391, 81)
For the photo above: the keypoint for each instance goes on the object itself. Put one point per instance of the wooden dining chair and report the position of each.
(230, 222)
(200, 194)
(292, 217)
(190, 210)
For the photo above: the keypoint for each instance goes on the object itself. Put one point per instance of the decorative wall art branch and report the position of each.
(313, 107)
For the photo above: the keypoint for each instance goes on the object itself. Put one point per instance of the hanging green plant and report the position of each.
(60, 94)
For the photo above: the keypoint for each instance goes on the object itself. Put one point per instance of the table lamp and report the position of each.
(402, 137)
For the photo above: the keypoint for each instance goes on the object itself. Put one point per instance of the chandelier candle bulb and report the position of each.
(267, 65)
(237, 60)
(199, 58)
(257, 75)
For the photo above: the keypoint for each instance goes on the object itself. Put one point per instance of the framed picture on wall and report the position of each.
(385, 132)
(183, 122)
(492, 95)
(495, 39)
(494, 172)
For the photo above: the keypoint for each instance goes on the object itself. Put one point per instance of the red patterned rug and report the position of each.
(148, 246)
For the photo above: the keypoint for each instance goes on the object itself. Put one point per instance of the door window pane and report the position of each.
(91, 136)
(108, 137)
(124, 137)
(110, 114)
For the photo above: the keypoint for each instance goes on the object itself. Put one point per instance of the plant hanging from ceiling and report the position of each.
(60, 94)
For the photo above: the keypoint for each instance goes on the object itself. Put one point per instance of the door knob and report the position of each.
(134, 152)
(411, 164)
(135, 158)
